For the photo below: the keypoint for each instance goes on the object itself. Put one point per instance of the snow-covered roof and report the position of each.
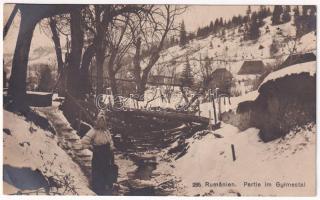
(298, 58)
(309, 67)
(251, 67)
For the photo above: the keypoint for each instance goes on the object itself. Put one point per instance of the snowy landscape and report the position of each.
(225, 110)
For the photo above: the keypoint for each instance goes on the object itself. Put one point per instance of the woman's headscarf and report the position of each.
(101, 122)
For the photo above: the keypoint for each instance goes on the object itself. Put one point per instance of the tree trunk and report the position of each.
(73, 93)
(100, 56)
(17, 82)
(184, 95)
(99, 60)
(56, 41)
(73, 71)
(31, 14)
(9, 22)
(85, 85)
(142, 79)
(113, 82)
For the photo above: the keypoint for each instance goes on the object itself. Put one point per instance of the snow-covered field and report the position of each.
(32, 156)
(287, 160)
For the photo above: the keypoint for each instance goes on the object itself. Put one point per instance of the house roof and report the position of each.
(298, 58)
(222, 72)
(251, 67)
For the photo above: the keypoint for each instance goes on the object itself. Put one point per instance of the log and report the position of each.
(176, 116)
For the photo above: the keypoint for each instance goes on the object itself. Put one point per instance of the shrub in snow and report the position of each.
(274, 47)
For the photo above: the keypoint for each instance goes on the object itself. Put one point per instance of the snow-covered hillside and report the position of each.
(34, 163)
(232, 48)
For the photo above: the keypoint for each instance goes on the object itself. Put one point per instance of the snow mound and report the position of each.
(250, 96)
(209, 159)
(309, 67)
(33, 161)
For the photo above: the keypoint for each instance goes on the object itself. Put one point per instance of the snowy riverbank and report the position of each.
(286, 160)
(34, 163)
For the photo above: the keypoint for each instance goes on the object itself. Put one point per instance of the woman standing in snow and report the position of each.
(103, 159)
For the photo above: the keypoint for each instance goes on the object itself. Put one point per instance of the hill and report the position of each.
(230, 50)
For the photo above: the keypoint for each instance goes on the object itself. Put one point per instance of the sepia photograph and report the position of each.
(159, 100)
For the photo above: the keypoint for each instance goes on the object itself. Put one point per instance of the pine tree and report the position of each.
(297, 21)
(278, 10)
(248, 10)
(199, 32)
(312, 18)
(245, 31)
(286, 14)
(183, 35)
(216, 26)
(187, 78)
(254, 31)
(262, 12)
(307, 21)
(296, 15)
(221, 22)
(211, 26)
(268, 11)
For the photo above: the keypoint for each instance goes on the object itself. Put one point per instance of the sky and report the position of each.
(194, 17)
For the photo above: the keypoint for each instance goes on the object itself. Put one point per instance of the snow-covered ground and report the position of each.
(32, 155)
(209, 159)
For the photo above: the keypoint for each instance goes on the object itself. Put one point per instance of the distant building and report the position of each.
(298, 58)
(249, 73)
(252, 67)
(163, 80)
(222, 79)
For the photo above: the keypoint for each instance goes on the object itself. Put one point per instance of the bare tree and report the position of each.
(151, 37)
(52, 27)
(31, 14)
(56, 41)
(118, 42)
(102, 22)
(205, 74)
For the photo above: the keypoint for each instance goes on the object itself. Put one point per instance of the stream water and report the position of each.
(143, 151)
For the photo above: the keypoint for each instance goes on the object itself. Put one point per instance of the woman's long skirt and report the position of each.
(101, 168)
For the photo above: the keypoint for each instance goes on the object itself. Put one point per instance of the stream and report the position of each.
(137, 171)
(139, 154)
